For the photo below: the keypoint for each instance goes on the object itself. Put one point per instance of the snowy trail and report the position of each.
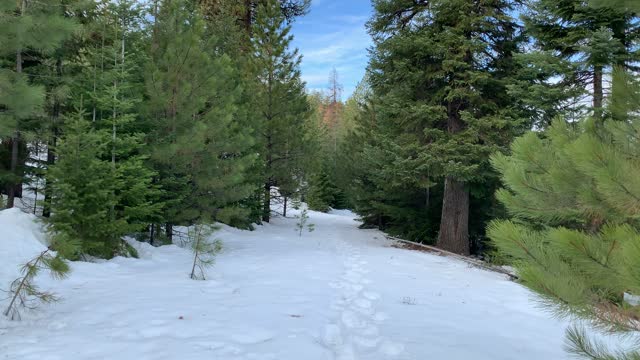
(339, 293)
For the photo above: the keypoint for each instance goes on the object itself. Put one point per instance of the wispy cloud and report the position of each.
(327, 40)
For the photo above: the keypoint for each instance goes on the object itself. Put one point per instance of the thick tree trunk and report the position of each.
(598, 94)
(454, 226)
(454, 223)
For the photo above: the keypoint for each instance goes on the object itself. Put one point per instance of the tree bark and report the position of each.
(454, 226)
(284, 212)
(152, 227)
(454, 223)
(598, 94)
(169, 232)
(51, 160)
(266, 206)
(11, 189)
(248, 16)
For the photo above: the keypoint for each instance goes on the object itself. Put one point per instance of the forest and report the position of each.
(506, 130)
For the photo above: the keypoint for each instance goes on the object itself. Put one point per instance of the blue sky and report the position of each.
(333, 34)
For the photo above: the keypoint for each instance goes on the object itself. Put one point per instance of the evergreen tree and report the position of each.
(204, 249)
(439, 74)
(25, 26)
(84, 191)
(280, 101)
(321, 195)
(200, 153)
(576, 44)
(574, 193)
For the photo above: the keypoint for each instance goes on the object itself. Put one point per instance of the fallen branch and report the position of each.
(469, 260)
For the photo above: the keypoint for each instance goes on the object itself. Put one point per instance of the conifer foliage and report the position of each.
(280, 102)
(442, 106)
(574, 195)
(198, 150)
(24, 294)
(204, 249)
(25, 26)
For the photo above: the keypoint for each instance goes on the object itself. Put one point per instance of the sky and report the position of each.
(333, 34)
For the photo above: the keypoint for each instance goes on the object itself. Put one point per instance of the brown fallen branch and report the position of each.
(411, 245)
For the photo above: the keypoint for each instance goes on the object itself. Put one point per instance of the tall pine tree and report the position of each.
(280, 102)
(200, 153)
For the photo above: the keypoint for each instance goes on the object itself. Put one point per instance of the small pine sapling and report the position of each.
(23, 292)
(204, 249)
(302, 223)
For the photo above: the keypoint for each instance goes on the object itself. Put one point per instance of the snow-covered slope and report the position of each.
(336, 293)
(21, 238)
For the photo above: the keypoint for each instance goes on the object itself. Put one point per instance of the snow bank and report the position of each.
(21, 239)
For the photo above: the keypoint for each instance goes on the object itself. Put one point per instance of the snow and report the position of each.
(336, 293)
(21, 238)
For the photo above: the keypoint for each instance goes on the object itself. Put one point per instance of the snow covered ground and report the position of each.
(336, 293)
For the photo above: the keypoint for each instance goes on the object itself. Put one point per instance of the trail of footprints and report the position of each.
(354, 332)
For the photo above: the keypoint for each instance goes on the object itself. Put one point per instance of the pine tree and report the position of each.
(23, 292)
(199, 151)
(439, 72)
(204, 249)
(280, 101)
(25, 26)
(302, 223)
(573, 194)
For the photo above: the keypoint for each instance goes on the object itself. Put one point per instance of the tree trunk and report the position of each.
(11, 189)
(152, 227)
(454, 223)
(248, 16)
(598, 94)
(284, 212)
(51, 159)
(454, 226)
(169, 232)
(51, 156)
(266, 206)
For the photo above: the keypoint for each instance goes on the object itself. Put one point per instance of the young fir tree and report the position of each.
(84, 189)
(25, 26)
(574, 197)
(280, 101)
(439, 72)
(114, 92)
(321, 195)
(199, 151)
